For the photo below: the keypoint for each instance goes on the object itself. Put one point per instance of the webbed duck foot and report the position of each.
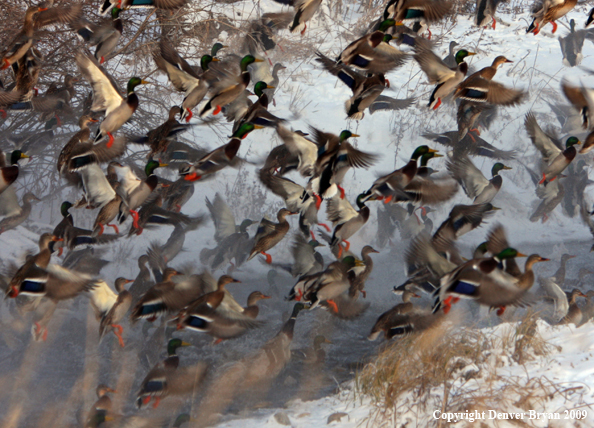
(347, 246)
(189, 116)
(332, 305)
(111, 140)
(115, 228)
(500, 311)
(342, 193)
(268, 257)
(325, 226)
(156, 403)
(118, 330)
(134, 215)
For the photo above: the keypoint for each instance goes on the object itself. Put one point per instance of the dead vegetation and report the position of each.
(456, 371)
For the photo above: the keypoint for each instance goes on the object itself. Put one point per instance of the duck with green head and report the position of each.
(220, 157)
(160, 381)
(559, 163)
(138, 195)
(184, 77)
(106, 39)
(438, 73)
(472, 180)
(9, 173)
(335, 157)
(424, 171)
(228, 94)
(386, 188)
(258, 112)
(117, 112)
(482, 280)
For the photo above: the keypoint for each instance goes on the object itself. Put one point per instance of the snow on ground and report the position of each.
(308, 96)
(566, 370)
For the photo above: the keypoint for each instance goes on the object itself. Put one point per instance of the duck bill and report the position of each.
(432, 150)
(521, 255)
(264, 296)
(24, 156)
(215, 60)
(56, 239)
(507, 167)
(437, 155)
(185, 343)
(258, 127)
(144, 82)
(270, 87)
(471, 53)
(258, 60)
(508, 60)
(163, 165)
(355, 135)
(543, 259)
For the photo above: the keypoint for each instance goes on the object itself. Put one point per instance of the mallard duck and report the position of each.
(383, 187)
(82, 136)
(252, 310)
(366, 53)
(425, 11)
(158, 139)
(303, 148)
(473, 181)
(73, 236)
(423, 170)
(346, 220)
(391, 321)
(485, 12)
(314, 355)
(268, 362)
(184, 77)
(325, 286)
(15, 220)
(307, 260)
(106, 215)
(428, 260)
(549, 11)
(107, 5)
(227, 91)
(404, 185)
(167, 296)
(571, 46)
(233, 241)
(257, 112)
(464, 218)
(9, 173)
(559, 276)
(468, 114)
(365, 89)
(335, 156)
(269, 234)
(105, 36)
(480, 87)
(556, 160)
(137, 196)
(26, 74)
(37, 277)
(218, 158)
(574, 313)
(297, 199)
(102, 406)
(262, 31)
(106, 96)
(111, 308)
(483, 280)
(551, 195)
(304, 11)
(143, 281)
(83, 154)
(581, 98)
(152, 213)
(439, 73)
(471, 146)
(166, 378)
(216, 312)
(36, 18)
(358, 281)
